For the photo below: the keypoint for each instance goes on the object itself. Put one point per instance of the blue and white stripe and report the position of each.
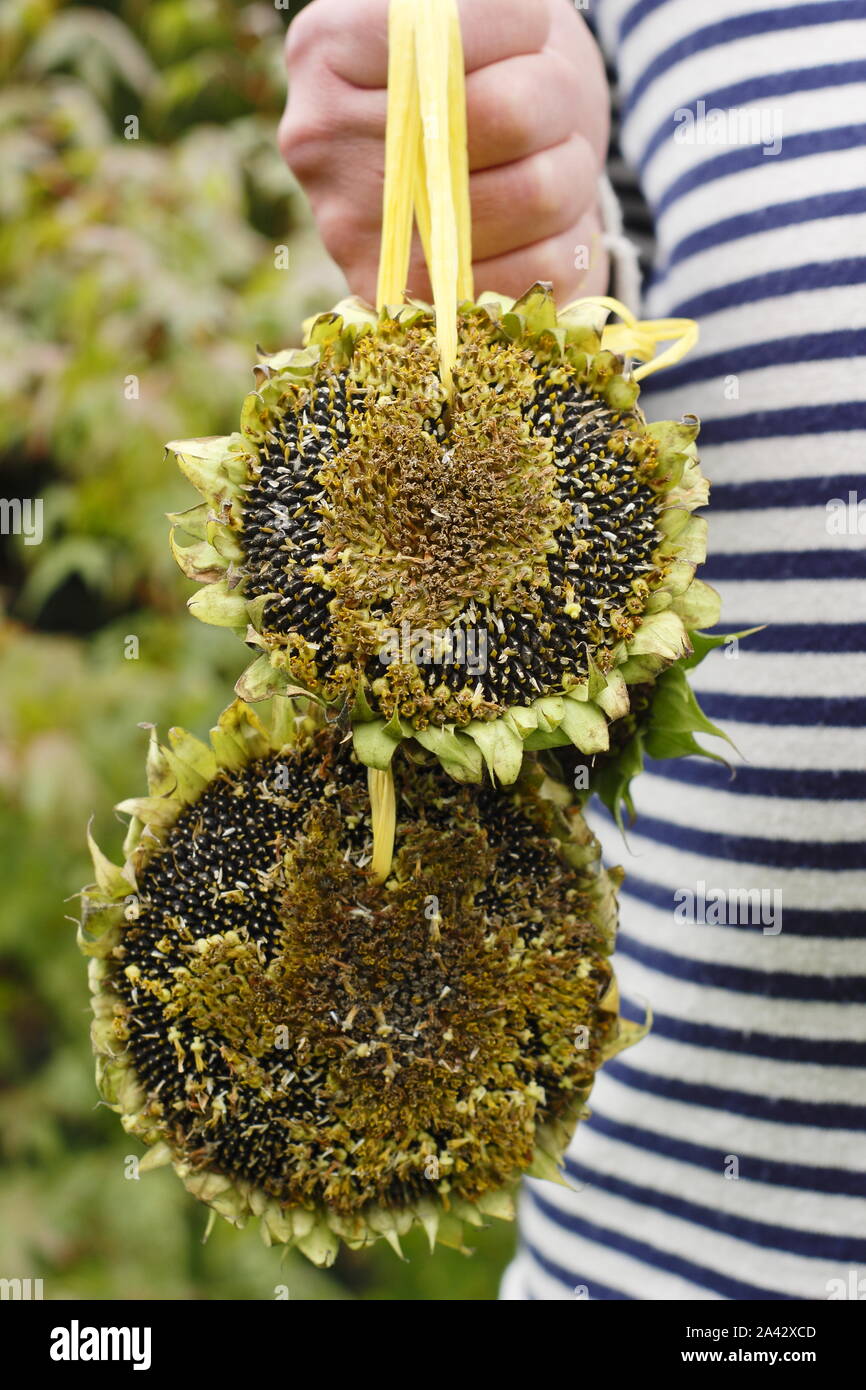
(756, 1062)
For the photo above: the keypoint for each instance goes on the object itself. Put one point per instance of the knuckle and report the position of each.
(517, 116)
(328, 27)
(546, 192)
(300, 139)
(565, 180)
(316, 126)
(554, 262)
(502, 111)
(339, 230)
(304, 34)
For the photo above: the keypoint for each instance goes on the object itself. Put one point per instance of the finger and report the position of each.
(521, 105)
(532, 199)
(351, 36)
(494, 30)
(513, 206)
(337, 148)
(324, 118)
(575, 47)
(552, 259)
(515, 109)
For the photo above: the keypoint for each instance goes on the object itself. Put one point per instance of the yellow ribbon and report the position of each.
(640, 338)
(427, 164)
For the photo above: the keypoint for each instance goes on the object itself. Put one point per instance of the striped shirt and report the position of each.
(726, 1154)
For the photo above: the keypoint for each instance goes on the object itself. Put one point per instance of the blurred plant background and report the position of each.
(150, 238)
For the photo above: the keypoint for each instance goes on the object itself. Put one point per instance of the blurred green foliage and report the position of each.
(143, 203)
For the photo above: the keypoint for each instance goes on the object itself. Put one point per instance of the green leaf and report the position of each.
(538, 309)
(260, 681)
(220, 606)
(585, 726)
(688, 544)
(614, 698)
(703, 643)
(501, 748)
(459, 755)
(523, 719)
(374, 747)
(198, 561)
(675, 716)
(674, 436)
(611, 782)
(597, 680)
(540, 740)
(667, 730)
(202, 462)
(699, 607)
(109, 877)
(193, 522)
(549, 712)
(662, 635)
(362, 711)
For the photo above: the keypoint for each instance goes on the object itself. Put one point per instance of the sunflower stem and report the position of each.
(383, 801)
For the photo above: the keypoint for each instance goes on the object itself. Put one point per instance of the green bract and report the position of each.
(662, 723)
(339, 1057)
(486, 575)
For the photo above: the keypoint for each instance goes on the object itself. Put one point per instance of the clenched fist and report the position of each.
(538, 128)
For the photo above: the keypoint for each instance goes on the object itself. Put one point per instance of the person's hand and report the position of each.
(538, 112)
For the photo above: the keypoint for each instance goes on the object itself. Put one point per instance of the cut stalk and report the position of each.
(383, 801)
